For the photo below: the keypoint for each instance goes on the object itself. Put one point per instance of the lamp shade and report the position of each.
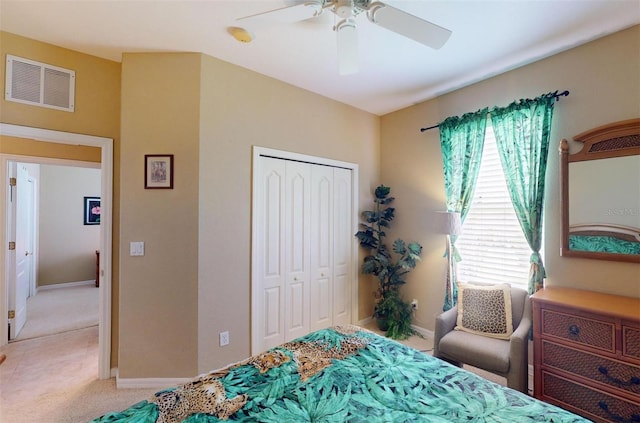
(448, 223)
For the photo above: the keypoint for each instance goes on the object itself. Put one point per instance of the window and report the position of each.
(492, 245)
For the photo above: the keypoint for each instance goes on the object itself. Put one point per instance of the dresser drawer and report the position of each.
(614, 373)
(631, 341)
(591, 403)
(594, 333)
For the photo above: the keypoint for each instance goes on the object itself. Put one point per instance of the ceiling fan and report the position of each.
(388, 17)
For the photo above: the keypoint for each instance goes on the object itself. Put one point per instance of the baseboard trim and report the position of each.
(65, 285)
(149, 383)
(364, 322)
(422, 331)
(530, 374)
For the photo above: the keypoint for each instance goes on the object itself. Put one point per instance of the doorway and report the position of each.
(48, 201)
(106, 193)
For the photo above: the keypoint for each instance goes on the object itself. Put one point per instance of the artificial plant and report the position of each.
(390, 267)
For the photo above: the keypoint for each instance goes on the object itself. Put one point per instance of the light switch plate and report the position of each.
(136, 248)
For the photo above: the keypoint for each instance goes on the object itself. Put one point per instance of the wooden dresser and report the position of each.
(587, 353)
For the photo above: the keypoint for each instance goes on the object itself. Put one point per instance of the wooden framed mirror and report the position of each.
(600, 193)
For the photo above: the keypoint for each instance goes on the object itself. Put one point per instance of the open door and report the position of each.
(106, 227)
(21, 221)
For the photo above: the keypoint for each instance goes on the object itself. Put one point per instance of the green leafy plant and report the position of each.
(390, 267)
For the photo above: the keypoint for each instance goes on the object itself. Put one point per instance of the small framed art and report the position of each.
(91, 210)
(158, 171)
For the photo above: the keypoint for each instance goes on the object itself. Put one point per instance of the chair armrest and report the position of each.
(445, 322)
(520, 337)
(519, 340)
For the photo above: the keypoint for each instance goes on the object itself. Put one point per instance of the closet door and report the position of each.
(297, 249)
(303, 237)
(268, 293)
(321, 247)
(342, 242)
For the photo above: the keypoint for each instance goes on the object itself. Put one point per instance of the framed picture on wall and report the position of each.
(91, 210)
(158, 171)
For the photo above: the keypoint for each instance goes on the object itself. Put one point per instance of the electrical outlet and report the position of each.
(414, 304)
(224, 338)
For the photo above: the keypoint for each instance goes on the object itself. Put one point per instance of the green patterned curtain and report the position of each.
(461, 141)
(522, 134)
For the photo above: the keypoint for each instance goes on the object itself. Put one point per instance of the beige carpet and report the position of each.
(60, 310)
(54, 379)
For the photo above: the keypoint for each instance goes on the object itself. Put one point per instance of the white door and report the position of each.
(296, 229)
(342, 239)
(322, 248)
(19, 287)
(268, 293)
(302, 271)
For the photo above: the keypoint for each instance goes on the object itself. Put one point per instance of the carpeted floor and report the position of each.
(59, 310)
(54, 379)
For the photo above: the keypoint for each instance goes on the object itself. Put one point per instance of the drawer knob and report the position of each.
(634, 380)
(574, 330)
(617, 417)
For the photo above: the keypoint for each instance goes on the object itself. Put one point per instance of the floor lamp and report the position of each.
(449, 224)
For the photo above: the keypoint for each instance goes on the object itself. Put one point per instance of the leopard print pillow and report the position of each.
(485, 310)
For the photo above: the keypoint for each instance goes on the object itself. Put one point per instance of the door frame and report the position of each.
(286, 155)
(106, 225)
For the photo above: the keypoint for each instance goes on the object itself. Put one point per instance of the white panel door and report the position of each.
(269, 292)
(342, 241)
(297, 244)
(303, 238)
(321, 247)
(23, 194)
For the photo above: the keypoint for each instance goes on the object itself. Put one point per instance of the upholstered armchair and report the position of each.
(504, 357)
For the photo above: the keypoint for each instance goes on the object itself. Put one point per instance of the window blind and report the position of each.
(492, 245)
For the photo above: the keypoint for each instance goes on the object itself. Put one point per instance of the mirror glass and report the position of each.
(604, 212)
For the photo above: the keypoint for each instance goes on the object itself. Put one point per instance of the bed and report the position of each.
(341, 374)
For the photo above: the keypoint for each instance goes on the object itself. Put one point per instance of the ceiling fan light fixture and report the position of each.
(343, 8)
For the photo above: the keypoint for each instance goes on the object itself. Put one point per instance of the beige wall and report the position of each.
(194, 280)
(25, 147)
(241, 109)
(158, 292)
(604, 80)
(97, 112)
(66, 245)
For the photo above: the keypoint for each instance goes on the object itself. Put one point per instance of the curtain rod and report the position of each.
(555, 94)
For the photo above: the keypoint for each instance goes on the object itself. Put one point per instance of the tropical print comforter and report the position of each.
(341, 374)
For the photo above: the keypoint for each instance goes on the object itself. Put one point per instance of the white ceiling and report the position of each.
(489, 37)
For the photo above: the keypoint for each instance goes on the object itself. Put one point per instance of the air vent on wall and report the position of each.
(39, 84)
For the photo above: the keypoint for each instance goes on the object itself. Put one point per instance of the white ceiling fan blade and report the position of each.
(347, 38)
(290, 14)
(411, 26)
